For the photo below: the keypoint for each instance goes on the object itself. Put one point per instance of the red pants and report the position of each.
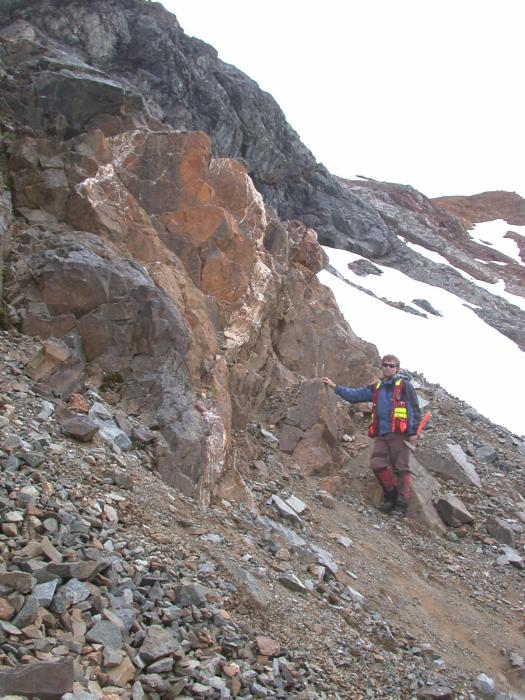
(389, 462)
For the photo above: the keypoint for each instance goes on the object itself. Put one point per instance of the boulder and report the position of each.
(251, 587)
(487, 454)
(454, 466)
(159, 642)
(453, 511)
(284, 509)
(424, 490)
(443, 465)
(42, 679)
(423, 493)
(500, 530)
(309, 429)
(511, 556)
(79, 427)
(57, 368)
(267, 646)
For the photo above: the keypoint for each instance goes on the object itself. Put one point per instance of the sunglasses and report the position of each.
(388, 364)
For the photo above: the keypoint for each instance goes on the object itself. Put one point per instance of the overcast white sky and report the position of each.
(421, 92)
(451, 349)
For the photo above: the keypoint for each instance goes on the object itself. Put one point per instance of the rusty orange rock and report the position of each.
(267, 646)
(78, 402)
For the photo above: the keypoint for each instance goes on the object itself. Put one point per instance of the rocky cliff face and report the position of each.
(184, 84)
(137, 55)
(156, 264)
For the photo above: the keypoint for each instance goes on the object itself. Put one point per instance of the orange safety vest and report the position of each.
(398, 412)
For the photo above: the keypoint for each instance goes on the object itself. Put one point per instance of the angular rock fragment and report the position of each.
(105, 633)
(267, 646)
(79, 427)
(437, 692)
(298, 506)
(17, 580)
(468, 469)
(511, 556)
(70, 593)
(453, 511)
(251, 587)
(500, 530)
(45, 680)
(284, 509)
(159, 642)
(292, 582)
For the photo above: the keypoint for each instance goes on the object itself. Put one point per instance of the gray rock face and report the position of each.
(108, 427)
(191, 594)
(44, 592)
(190, 88)
(248, 582)
(292, 582)
(5, 224)
(27, 614)
(69, 594)
(121, 315)
(81, 428)
(105, 633)
(487, 454)
(425, 489)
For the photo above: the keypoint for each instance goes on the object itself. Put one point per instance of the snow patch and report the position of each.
(458, 350)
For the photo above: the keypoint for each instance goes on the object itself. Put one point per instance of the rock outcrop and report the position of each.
(5, 230)
(126, 64)
(139, 55)
(417, 220)
(486, 206)
(159, 265)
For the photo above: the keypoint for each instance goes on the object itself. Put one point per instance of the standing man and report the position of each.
(395, 419)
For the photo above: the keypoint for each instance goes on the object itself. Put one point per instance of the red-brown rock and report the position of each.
(45, 680)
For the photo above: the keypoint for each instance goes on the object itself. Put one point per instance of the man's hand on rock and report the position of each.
(329, 382)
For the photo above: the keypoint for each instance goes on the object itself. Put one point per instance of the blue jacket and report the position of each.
(384, 402)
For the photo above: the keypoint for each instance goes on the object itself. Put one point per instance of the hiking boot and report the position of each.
(400, 508)
(389, 501)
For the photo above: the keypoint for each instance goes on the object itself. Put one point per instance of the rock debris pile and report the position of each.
(130, 589)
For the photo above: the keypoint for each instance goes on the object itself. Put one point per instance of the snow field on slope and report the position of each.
(459, 351)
